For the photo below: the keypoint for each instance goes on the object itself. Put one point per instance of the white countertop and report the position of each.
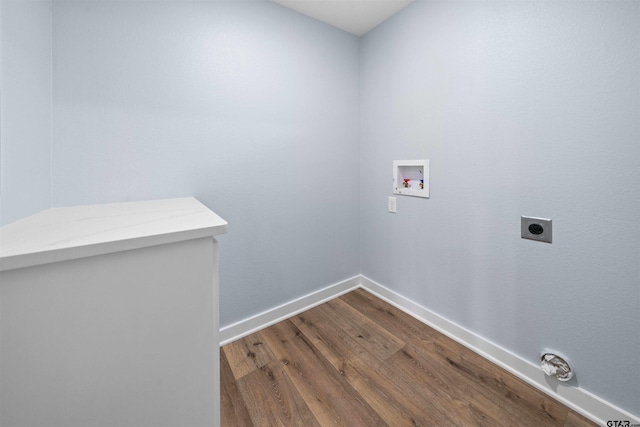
(61, 234)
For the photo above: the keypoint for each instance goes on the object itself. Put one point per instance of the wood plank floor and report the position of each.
(358, 361)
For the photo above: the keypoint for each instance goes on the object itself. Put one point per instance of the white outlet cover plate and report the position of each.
(392, 205)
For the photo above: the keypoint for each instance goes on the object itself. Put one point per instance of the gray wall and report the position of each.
(248, 106)
(25, 108)
(523, 108)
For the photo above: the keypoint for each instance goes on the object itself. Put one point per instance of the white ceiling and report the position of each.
(354, 16)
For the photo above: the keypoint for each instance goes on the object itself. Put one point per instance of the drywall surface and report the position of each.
(25, 108)
(247, 106)
(523, 108)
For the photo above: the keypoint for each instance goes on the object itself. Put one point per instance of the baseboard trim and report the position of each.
(267, 318)
(582, 401)
(576, 398)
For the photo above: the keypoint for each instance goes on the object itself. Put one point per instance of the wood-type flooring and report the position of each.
(358, 361)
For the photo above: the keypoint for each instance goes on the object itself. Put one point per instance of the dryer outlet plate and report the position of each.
(533, 228)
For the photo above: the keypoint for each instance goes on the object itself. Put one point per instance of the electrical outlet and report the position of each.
(535, 228)
(392, 205)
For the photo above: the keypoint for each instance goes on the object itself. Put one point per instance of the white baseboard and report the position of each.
(582, 401)
(576, 398)
(267, 318)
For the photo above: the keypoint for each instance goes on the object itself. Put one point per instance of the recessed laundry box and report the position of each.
(411, 177)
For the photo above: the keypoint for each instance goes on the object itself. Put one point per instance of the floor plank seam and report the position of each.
(358, 361)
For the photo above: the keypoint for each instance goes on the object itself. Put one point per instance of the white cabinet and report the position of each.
(109, 316)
